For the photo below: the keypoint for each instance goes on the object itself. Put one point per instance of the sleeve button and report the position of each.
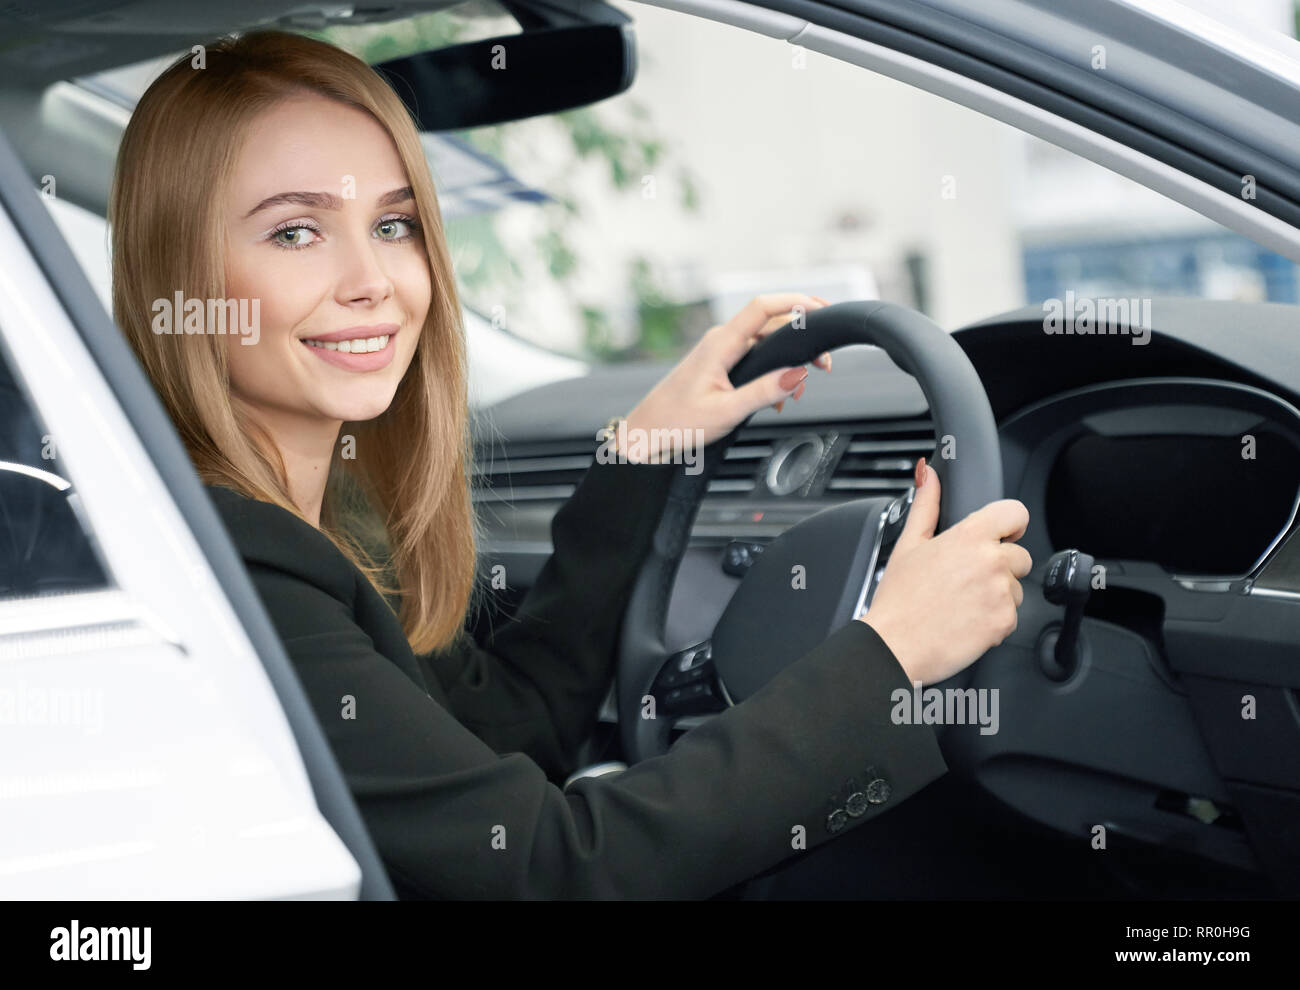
(878, 791)
(836, 820)
(857, 804)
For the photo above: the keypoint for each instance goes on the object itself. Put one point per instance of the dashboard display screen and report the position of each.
(1193, 504)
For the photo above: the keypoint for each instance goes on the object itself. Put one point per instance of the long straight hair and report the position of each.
(413, 462)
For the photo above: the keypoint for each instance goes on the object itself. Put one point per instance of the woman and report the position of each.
(283, 170)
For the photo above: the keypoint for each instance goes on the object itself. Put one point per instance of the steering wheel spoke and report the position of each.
(688, 684)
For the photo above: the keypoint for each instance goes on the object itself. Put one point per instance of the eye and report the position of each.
(397, 228)
(294, 234)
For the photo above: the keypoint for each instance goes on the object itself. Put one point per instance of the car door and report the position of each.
(154, 741)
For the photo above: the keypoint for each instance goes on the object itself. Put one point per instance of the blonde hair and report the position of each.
(412, 462)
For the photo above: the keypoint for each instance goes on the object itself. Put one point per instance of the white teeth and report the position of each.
(359, 345)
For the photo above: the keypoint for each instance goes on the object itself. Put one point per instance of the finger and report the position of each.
(923, 516)
(1005, 519)
(735, 336)
(766, 390)
(1017, 591)
(1018, 559)
(824, 361)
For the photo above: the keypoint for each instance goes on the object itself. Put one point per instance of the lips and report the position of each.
(366, 348)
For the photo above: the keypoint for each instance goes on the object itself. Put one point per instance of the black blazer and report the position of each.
(454, 757)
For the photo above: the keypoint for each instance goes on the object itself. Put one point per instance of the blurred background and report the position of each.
(738, 164)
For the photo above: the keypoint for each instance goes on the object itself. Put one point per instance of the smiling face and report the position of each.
(322, 228)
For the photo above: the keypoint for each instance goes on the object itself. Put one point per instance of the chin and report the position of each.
(360, 408)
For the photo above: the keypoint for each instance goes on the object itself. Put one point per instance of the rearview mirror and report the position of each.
(514, 76)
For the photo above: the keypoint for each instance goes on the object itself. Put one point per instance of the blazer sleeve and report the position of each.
(763, 781)
(537, 684)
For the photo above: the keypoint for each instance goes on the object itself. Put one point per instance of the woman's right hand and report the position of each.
(944, 600)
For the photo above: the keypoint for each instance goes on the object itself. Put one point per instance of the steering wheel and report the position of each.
(770, 622)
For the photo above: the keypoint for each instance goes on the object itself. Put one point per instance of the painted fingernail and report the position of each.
(921, 473)
(799, 391)
(791, 378)
(780, 405)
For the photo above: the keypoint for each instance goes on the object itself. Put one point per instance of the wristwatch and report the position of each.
(610, 432)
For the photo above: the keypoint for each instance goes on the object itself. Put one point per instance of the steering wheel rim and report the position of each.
(970, 471)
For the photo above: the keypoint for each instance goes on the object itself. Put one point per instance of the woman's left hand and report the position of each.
(698, 395)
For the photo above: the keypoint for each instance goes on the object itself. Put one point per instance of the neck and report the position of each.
(307, 447)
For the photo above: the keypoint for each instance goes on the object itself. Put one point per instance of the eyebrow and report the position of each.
(327, 201)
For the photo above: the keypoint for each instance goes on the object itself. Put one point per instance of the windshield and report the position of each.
(737, 164)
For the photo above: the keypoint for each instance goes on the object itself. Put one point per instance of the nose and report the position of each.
(362, 278)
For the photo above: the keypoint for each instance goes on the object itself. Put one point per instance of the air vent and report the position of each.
(534, 472)
(738, 472)
(877, 458)
(880, 458)
(551, 471)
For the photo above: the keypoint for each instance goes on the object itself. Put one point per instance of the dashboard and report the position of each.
(1183, 453)
(1175, 464)
(1198, 476)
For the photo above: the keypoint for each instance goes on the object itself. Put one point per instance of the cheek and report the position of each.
(413, 288)
(412, 281)
(284, 291)
(259, 370)
(245, 373)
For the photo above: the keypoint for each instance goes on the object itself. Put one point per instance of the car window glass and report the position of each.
(45, 546)
(738, 164)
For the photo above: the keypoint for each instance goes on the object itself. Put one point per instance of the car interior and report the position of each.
(1163, 445)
